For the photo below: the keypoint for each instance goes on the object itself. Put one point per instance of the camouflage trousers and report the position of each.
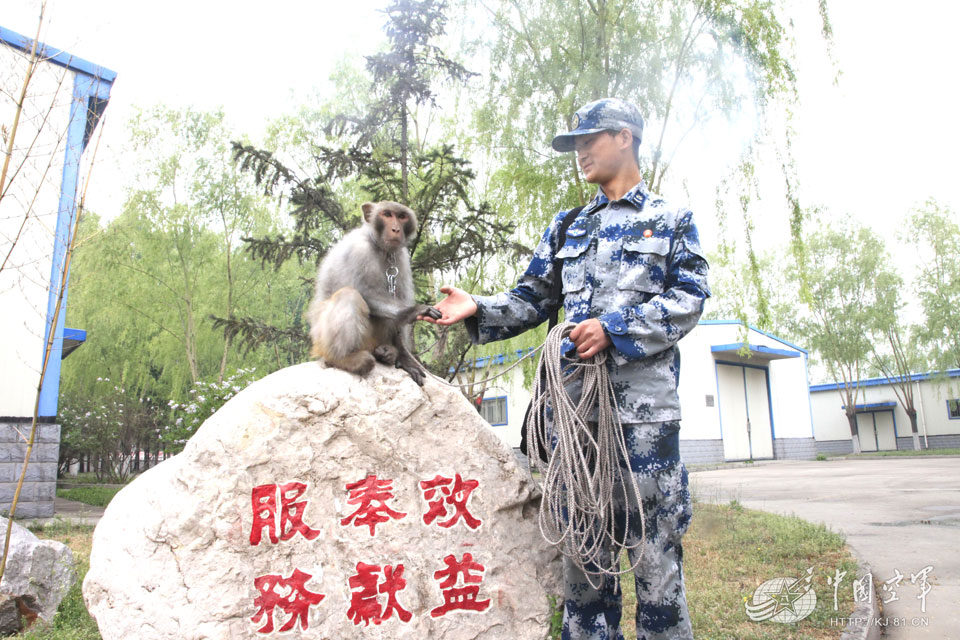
(595, 614)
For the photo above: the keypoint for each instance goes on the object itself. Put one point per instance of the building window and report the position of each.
(494, 410)
(953, 409)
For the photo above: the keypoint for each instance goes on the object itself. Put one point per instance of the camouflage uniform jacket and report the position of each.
(636, 265)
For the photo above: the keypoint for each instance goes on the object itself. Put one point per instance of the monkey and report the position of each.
(363, 307)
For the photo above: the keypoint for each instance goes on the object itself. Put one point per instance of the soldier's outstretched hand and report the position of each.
(457, 306)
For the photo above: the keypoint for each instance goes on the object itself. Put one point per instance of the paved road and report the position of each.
(76, 512)
(897, 513)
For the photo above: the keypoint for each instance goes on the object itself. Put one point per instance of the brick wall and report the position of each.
(701, 451)
(40, 484)
(794, 448)
(833, 447)
(933, 442)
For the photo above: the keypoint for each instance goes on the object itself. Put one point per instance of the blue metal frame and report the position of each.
(506, 411)
(754, 348)
(753, 328)
(57, 56)
(949, 417)
(876, 382)
(91, 92)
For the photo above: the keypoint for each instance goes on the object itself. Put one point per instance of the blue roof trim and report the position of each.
(754, 348)
(500, 358)
(57, 56)
(876, 382)
(75, 334)
(753, 328)
(873, 406)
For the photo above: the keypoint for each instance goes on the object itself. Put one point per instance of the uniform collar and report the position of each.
(637, 196)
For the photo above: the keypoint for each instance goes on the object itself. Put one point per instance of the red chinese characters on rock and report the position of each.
(283, 518)
(371, 494)
(296, 603)
(366, 589)
(460, 598)
(440, 492)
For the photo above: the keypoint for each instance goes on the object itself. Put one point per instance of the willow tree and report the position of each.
(934, 231)
(680, 61)
(851, 289)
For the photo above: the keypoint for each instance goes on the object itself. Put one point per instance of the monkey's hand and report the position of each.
(430, 312)
(417, 312)
(457, 306)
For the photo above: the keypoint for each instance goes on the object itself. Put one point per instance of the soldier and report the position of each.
(634, 280)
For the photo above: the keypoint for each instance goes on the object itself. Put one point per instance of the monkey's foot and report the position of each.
(386, 353)
(414, 370)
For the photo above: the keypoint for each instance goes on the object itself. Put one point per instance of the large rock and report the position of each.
(405, 517)
(39, 573)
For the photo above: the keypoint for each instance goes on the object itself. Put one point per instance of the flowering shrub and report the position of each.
(205, 397)
(109, 426)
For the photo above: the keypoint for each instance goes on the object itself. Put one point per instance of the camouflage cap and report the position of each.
(606, 114)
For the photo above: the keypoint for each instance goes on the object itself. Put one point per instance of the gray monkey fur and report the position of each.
(354, 319)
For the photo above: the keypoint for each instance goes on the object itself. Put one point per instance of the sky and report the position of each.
(872, 146)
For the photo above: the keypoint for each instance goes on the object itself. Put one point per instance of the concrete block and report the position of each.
(32, 510)
(45, 452)
(9, 471)
(48, 433)
(40, 471)
(10, 432)
(27, 494)
(46, 491)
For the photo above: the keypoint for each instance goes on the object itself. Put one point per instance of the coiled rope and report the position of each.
(577, 512)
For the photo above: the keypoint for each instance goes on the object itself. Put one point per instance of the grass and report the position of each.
(910, 452)
(71, 622)
(83, 478)
(96, 496)
(729, 551)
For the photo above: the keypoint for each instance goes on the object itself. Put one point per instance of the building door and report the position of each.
(744, 412)
(876, 431)
(868, 435)
(883, 427)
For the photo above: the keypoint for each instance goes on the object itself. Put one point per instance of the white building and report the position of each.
(882, 423)
(65, 99)
(743, 395)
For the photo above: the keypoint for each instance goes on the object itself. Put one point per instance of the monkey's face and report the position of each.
(394, 224)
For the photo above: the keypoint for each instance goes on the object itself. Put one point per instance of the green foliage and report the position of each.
(145, 287)
(936, 235)
(852, 286)
(204, 399)
(110, 424)
(736, 285)
(680, 60)
(375, 150)
(95, 496)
